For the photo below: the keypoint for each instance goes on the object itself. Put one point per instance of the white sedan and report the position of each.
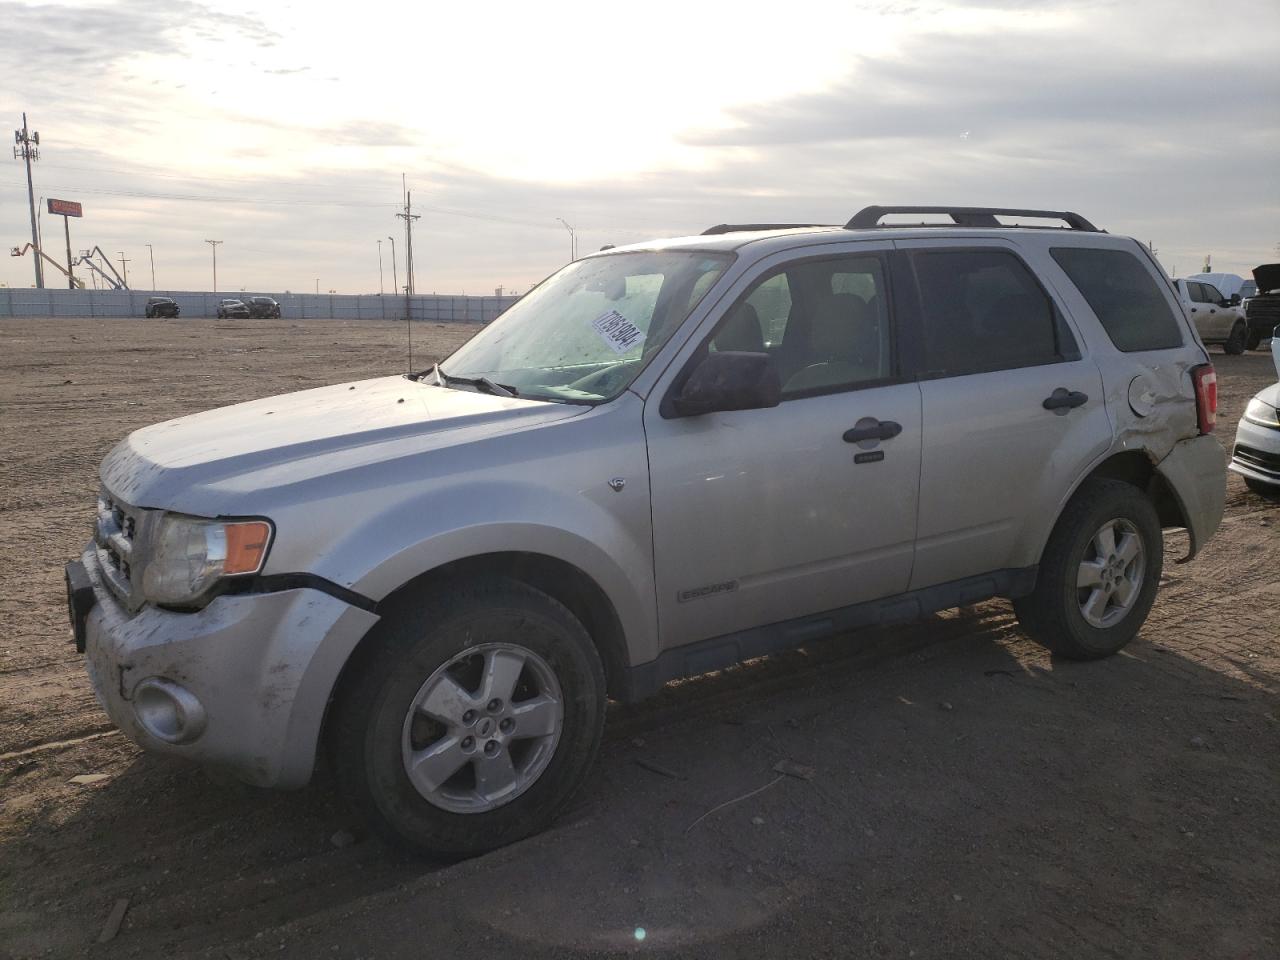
(1256, 452)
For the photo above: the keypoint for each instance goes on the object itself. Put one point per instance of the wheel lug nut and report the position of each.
(494, 705)
(491, 748)
(469, 717)
(507, 725)
(468, 743)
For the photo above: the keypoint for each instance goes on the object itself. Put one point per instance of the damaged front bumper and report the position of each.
(241, 684)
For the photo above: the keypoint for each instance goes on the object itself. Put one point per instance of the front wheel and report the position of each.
(1236, 343)
(1099, 573)
(473, 721)
(1252, 340)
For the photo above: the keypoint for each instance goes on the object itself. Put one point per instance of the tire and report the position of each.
(1235, 344)
(1054, 615)
(1252, 340)
(1270, 491)
(431, 648)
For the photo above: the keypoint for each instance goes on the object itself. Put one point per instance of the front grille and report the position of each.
(1257, 459)
(1263, 309)
(114, 533)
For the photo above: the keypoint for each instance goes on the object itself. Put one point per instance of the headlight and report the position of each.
(188, 556)
(1263, 414)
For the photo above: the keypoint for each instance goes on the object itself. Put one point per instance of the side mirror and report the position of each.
(1235, 300)
(727, 380)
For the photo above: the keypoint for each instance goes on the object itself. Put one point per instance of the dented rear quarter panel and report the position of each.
(1163, 412)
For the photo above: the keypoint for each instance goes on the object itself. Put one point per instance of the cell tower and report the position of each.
(27, 148)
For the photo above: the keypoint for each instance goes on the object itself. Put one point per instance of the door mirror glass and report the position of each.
(1235, 299)
(729, 380)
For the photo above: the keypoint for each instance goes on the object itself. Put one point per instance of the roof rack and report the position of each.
(869, 217)
(720, 228)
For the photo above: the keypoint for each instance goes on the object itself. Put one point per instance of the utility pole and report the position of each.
(573, 240)
(124, 265)
(380, 287)
(408, 216)
(27, 148)
(213, 244)
(66, 227)
(395, 280)
(153, 266)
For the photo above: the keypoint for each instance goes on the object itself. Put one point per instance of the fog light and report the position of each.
(167, 711)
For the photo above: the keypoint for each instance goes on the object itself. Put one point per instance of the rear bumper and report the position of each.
(1195, 471)
(241, 685)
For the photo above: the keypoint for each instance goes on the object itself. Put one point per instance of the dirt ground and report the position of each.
(971, 796)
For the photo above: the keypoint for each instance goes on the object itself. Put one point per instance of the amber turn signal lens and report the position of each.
(246, 546)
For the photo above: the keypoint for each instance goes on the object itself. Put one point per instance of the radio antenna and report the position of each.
(408, 217)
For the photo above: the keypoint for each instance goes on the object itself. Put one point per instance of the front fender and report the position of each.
(603, 533)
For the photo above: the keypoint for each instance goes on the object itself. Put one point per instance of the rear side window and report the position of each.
(1124, 296)
(983, 311)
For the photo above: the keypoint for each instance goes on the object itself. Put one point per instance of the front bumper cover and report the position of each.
(263, 666)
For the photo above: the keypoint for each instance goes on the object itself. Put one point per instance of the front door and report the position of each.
(761, 516)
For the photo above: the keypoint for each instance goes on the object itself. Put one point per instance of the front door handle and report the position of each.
(874, 430)
(1064, 399)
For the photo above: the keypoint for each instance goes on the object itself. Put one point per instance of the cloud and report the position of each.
(82, 38)
(1122, 113)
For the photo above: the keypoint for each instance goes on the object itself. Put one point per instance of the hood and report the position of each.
(250, 447)
(1267, 277)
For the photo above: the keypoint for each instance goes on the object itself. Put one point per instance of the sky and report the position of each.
(283, 129)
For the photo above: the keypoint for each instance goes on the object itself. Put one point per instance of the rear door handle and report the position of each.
(1064, 399)
(876, 430)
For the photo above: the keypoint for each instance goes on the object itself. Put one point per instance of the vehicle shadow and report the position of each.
(952, 786)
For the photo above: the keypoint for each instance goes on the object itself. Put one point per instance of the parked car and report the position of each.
(263, 308)
(623, 481)
(1262, 311)
(1217, 319)
(1256, 452)
(161, 307)
(1228, 284)
(232, 308)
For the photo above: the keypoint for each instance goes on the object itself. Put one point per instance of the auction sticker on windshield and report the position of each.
(617, 331)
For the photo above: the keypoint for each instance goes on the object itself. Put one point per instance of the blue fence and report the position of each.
(30, 302)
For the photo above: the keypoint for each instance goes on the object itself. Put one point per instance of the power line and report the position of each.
(286, 201)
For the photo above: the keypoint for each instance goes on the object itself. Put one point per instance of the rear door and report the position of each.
(1011, 410)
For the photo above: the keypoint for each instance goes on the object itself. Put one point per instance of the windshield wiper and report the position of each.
(480, 383)
(442, 379)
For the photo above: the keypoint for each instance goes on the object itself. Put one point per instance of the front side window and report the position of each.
(586, 332)
(1123, 295)
(982, 311)
(824, 322)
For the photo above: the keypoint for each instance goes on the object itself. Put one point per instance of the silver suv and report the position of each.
(664, 459)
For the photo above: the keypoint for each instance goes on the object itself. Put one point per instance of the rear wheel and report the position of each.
(1235, 344)
(473, 722)
(1099, 573)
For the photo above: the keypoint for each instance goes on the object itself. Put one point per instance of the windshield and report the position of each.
(585, 333)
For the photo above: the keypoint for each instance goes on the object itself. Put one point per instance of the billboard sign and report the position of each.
(66, 208)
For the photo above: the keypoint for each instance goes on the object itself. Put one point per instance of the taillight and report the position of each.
(1205, 379)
